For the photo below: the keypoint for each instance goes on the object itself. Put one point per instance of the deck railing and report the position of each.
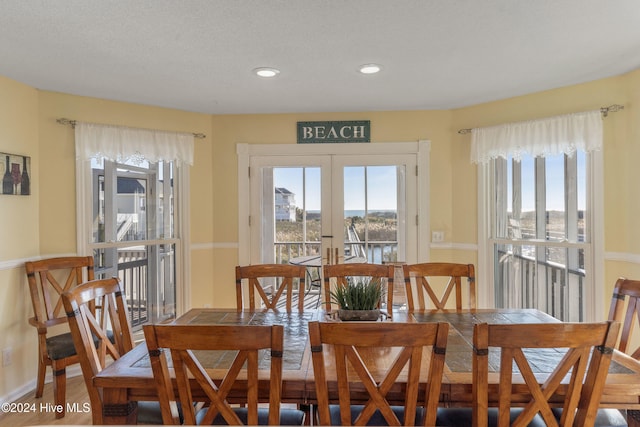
(377, 252)
(134, 279)
(133, 272)
(523, 281)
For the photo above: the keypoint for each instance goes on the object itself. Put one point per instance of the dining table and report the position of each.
(129, 379)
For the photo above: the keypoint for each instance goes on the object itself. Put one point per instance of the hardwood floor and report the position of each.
(30, 411)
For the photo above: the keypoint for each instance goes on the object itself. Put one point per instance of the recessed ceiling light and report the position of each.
(266, 71)
(369, 68)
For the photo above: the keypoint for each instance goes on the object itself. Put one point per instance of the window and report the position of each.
(540, 215)
(539, 235)
(130, 206)
(133, 235)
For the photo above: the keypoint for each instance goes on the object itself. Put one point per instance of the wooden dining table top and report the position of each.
(130, 378)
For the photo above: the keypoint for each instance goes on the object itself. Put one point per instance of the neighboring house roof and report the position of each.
(282, 190)
(130, 186)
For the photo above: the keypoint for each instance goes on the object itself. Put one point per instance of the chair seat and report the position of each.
(610, 418)
(288, 417)
(462, 417)
(377, 419)
(61, 346)
(604, 417)
(149, 413)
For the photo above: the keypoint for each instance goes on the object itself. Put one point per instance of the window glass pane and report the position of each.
(131, 209)
(516, 274)
(509, 178)
(505, 223)
(165, 226)
(555, 197)
(528, 198)
(98, 207)
(582, 195)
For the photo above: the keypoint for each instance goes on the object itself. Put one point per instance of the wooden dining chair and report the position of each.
(448, 275)
(277, 279)
(48, 279)
(338, 275)
(359, 358)
(577, 357)
(246, 347)
(99, 323)
(625, 308)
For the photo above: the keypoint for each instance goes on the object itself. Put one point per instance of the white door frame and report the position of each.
(420, 148)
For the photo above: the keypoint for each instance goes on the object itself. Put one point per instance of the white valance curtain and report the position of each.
(551, 136)
(123, 144)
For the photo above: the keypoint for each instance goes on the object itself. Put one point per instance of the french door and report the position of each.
(331, 204)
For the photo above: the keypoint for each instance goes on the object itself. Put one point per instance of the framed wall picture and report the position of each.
(15, 171)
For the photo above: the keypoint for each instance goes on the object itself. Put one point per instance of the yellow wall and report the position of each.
(44, 223)
(19, 238)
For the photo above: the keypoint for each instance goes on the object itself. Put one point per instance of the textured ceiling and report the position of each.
(197, 55)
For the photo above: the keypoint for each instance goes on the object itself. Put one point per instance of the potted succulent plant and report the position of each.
(358, 299)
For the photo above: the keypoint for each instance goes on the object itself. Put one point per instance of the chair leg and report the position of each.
(42, 370)
(59, 390)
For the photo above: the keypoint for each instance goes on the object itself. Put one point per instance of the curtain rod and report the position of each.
(64, 121)
(603, 110)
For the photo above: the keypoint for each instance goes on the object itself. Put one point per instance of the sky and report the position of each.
(382, 185)
(554, 171)
(381, 180)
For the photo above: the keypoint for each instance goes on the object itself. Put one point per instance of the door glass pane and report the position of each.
(297, 212)
(371, 213)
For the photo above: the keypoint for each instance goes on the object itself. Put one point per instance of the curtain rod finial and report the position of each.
(611, 109)
(64, 121)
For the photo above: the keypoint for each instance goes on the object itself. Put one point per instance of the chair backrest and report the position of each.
(280, 278)
(49, 279)
(424, 275)
(629, 315)
(183, 342)
(99, 323)
(340, 273)
(366, 347)
(582, 352)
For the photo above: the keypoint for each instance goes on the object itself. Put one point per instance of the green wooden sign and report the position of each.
(340, 131)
